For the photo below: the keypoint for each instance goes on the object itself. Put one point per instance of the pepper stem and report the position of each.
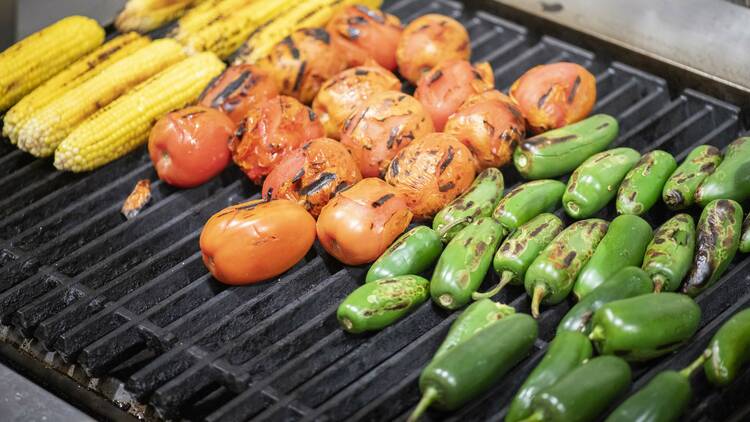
(347, 324)
(688, 370)
(445, 229)
(536, 299)
(504, 280)
(537, 416)
(659, 282)
(427, 398)
(597, 333)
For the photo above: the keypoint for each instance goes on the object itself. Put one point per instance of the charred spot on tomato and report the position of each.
(435, 77)
(394, 167)
(318, 184)
(446, 187)
(300, 76)
(293, 50)
(382, 200)
(361, 72)
(229, 89)
(573, 90)
(447, 160)
(297, 177)
(311, 114)
(241, 129)
(543, 98)
(392, 137)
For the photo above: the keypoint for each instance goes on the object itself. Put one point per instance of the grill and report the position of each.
(126, 308)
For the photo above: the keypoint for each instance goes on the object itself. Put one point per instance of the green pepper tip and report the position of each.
(573, 207)
(522, 160)
(427, 398)
(445, 300)
(347, 324)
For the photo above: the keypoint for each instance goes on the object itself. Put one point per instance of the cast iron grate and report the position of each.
(131, 303)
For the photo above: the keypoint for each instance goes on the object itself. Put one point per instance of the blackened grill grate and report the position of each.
(131, 303)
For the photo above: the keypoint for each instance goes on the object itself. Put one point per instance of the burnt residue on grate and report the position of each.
(128, 303)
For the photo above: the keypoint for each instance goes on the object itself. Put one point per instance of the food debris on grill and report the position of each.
(137, 199)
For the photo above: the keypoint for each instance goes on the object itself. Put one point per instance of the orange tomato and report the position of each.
(359, 224)
(313, 174)
(239, 89)
(256, 240)
(554, 95)
(369, 32)
(429, 40)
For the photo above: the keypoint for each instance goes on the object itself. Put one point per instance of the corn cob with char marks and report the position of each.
(124, 124)
(79, 72)
(204, 14)
(33, 60)
(45, 129)
(147, 15)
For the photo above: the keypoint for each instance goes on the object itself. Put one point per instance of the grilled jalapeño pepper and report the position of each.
(411, 253)
(471, 367)
(374, 306)
(464, 263)
(730, 349)
(527, 201)
(560, 151)
(669, 255)
(518, 251)
(552, 274)
(584, 393)
(719, 231)
(475, 318)
(566, 352)
(731, 179)
(478, 201)
(594, 183)
(628, 282)
(644, 327)
(663, 399)
(643, 185)
(745, 239)
(679, 191)
(622, 246)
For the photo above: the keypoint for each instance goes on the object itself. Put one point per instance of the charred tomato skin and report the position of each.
(256, 240)
(190, 146)
(239, 89)
(367, 33)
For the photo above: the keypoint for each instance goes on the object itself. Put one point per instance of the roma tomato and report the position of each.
(190, 146)
(256, 241)
(366, 32)
(381, 126)
(554, 95)
(359, 224)
(347, 90)
(443, 89)
(269, 132)
(313, 174)
(429, 40)
(491, 125)
(239, 89)
(431, 172)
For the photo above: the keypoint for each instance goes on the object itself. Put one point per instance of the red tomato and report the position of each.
(429, 40)
(239, 89)
(190, 146)
(554, 95)
(313, 174)
(359, 224)
(270, 131)
(256, 241)
(443, 89)
(491, 125)
(373, 32)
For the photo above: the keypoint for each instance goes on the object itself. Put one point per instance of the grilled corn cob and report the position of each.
(124, 124)
(204, 14)
(147, 15)
(79, 72)
(45, 129)
(41, 55)
(309, 14)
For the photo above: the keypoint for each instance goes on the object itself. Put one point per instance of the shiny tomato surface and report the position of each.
(239, 89)
(256, 241)
(367, 33)
(359, 224)
(190, 146)
(429, 40)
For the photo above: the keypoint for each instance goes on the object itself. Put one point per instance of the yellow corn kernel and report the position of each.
(147, 15)
(206, 14)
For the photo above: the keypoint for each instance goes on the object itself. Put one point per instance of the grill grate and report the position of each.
(131, 303)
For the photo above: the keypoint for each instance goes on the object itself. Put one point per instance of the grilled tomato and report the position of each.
(554, 95)
(313, 174)
(491, 125)
(359, 224)
(270, 131)
(443, 89)
(256, 240)
(301, 62)
(429, 40)
(367, 33)
(190, 146)
(380, 127)
(238, 89)
(345, 91)
(430, 172)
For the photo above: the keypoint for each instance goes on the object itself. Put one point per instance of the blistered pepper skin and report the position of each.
(413, 252)
(550, 277)
(643, 185)
(719, 230)
(559, 151)
(731, 179)
(528, 200)
(679, 191)
(745, 240)
(644, 327)
(669, 255)
(730, 349)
